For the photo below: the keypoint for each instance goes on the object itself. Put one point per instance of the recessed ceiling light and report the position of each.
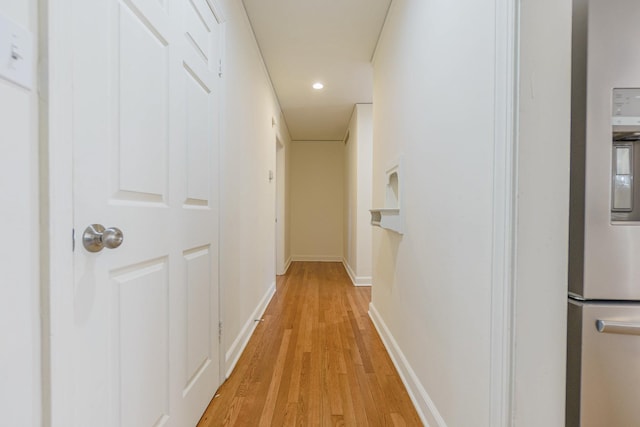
(318, 86)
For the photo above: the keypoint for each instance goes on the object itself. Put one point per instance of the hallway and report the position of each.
(195, 128)
(315, 359)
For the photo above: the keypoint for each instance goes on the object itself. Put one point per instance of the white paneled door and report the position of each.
(145, 147)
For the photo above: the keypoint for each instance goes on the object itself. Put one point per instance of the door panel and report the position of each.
(145, 107)
(198, 136)
(199, 23)
(142, 343)
(143, 116)
(198, 268)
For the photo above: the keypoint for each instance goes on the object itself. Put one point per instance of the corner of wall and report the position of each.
(287, 264)
(541, 266)
(356, 280)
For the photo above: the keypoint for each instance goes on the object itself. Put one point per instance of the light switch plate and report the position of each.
(16, 53)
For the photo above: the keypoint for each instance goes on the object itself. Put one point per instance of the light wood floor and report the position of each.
(315, 360)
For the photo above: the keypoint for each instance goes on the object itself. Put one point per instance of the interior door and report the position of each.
(145, 146)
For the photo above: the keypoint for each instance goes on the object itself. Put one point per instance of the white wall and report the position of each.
(247, 227)
(434, 106)
(357, 196)
(543, 206)
(317, 186)
(434, 92)
(20, 380)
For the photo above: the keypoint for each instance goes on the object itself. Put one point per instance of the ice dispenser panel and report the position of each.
(622, 179)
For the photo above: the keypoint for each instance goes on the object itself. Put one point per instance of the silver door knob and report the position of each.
(96, 237)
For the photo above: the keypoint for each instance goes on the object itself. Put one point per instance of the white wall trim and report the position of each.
(287, 264)
(425, 407)
(356, 280)
(241, 341)
(503, 233)
(221, 138)
(316, 258)
(281, 208)
(57, 200)
(383, 30)
(265, 70)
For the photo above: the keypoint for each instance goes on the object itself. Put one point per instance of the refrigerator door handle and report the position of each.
(611, 327)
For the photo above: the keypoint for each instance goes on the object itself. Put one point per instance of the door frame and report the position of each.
(57, 150)
(502, 341)
(56, 176)
(222, 21)
(281, 218)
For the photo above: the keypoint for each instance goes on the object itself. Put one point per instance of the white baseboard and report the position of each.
(317, 258)
(287, 265)
(356, 280)
(427, 410)
(241, 341)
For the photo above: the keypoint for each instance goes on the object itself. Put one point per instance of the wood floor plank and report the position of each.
(290, 415)
(348, 411)
(274, 385)
(303, 403)
(315, 359)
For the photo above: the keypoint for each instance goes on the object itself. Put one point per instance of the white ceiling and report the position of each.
(304, 41)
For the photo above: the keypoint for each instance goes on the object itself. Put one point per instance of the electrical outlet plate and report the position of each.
(16, 53)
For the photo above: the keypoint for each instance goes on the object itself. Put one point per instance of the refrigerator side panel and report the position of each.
(610, 374)
(578, 144)
(611, 270)
(574, 357)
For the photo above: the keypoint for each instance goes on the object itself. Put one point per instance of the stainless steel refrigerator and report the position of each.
(603, 346)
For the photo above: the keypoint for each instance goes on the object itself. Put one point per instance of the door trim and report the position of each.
(58, 276)
(281, 219)
(504, 213)
(222, 89)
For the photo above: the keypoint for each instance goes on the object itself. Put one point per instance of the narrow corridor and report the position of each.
(314, 359)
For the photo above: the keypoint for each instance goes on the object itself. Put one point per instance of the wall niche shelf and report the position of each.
(386, 218)
(390, 217)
